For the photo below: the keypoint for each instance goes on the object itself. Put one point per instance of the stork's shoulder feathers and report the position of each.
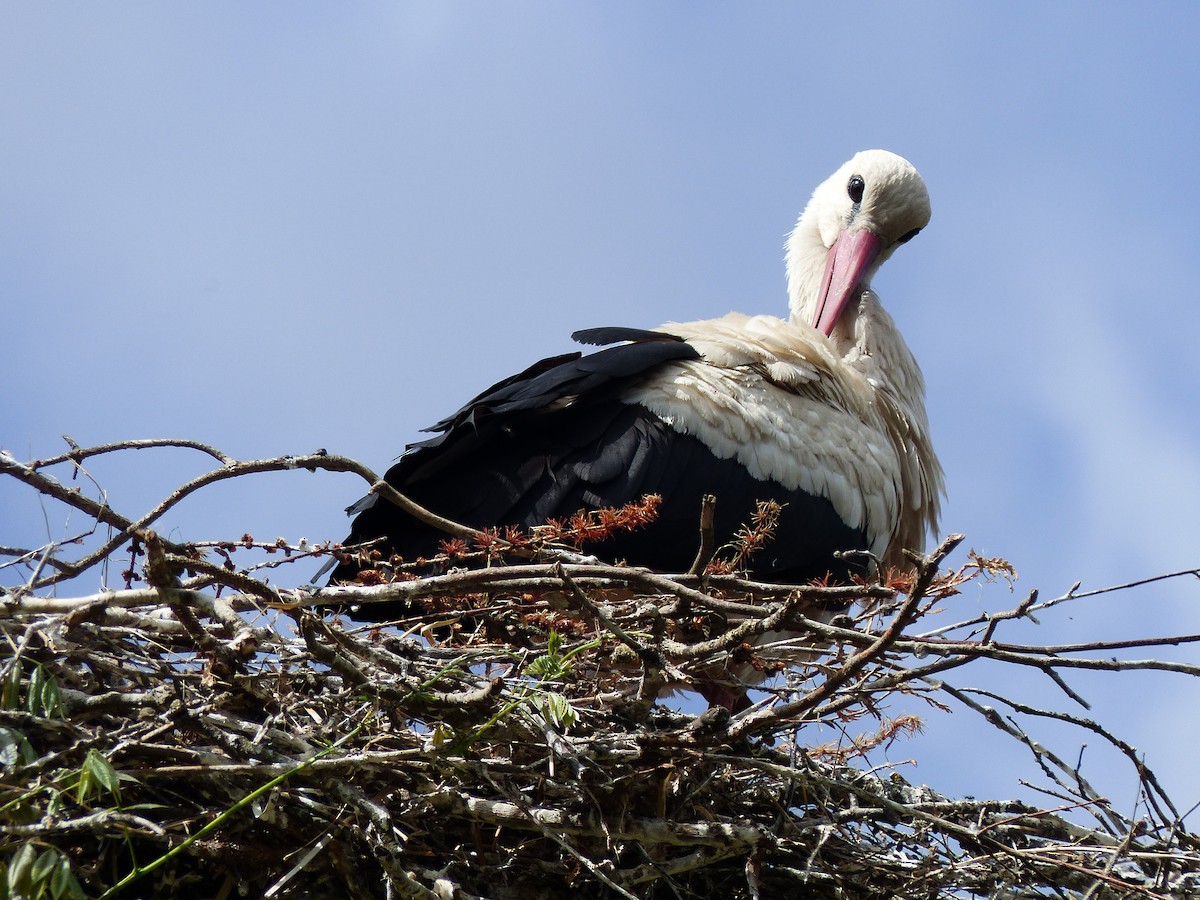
(790, 355)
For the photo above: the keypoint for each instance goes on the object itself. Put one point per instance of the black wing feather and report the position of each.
(613, 334)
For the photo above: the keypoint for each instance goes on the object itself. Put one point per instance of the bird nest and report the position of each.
(201, 732)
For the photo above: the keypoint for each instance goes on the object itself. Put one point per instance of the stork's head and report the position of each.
(853, 223)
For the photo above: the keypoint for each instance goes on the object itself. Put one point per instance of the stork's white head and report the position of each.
(853, 223)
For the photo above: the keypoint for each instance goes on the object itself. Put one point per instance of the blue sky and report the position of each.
(278, 227)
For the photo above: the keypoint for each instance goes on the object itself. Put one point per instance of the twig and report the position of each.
(708, 541)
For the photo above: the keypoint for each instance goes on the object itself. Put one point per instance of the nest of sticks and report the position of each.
(200, 732)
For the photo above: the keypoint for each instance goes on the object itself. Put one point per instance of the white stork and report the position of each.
(823, 412)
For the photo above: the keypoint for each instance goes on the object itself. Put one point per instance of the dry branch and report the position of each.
(211, 733)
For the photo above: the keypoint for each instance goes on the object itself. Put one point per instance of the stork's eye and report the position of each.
(855, 188)
(908, 237)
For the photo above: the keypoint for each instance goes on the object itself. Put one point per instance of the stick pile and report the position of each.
(200, 732)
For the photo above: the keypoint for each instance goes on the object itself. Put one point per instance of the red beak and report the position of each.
(849, 259)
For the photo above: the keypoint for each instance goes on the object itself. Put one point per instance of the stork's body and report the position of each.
(823, 412)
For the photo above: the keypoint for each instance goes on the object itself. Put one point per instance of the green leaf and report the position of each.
(20, 871)
(59, 801)
(43, 698)
(37, 678)
(15, 749)
(439, 736)
(10, 690)
(96, 775)
(43, 866)
(63, 882)
(556, 708)
(547, 668)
